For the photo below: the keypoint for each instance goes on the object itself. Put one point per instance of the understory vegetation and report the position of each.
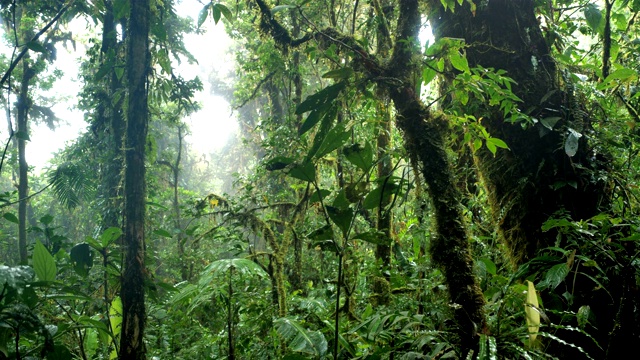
(436, 179)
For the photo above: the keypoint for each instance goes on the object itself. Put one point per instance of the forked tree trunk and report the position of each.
(132, 292)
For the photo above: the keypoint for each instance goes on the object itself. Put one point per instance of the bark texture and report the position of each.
(132, 292)
(530, 182)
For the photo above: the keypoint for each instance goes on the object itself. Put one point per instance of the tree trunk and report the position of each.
(132, 292)
(523, 182)
(424, 134)
(24, 103)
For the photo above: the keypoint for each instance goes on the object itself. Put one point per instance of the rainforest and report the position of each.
(433, 179)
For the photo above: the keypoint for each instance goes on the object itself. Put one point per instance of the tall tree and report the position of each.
(133, 279)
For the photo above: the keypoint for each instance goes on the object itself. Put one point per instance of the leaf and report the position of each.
(374, 237)
(459, 61)
(359, 156)
(323, 233)
(341, 217)
(202, 17)
(320, 99)
(43, 263)
(323, 132)
(279, 8)
(304, 172)
(550, 122)
(11, 217)
(36, 46)
(334, 139)
(497, 143)
(221, 267)
(593, 16)
(163, 233)
(300, 339)
(224, 11)
(215, 11)
(318, 195)
(384, 190)
(46, 220)
(428, 73)
(311, 121)
(489, 266)
(621, 74)
(342, 73)
(278, 163)
(571, 143)
(531, 312)
(22, 135)
(109, 236)
(556, 275)
(82, 258)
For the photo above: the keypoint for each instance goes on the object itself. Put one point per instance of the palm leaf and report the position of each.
(71, 183)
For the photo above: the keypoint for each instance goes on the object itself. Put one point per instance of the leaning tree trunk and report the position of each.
(132, 292)
(424, 133)
(503, 34)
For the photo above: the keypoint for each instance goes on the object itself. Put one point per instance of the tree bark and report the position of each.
(132, 292)
(424, 134)
(523, 182)
(24, 103)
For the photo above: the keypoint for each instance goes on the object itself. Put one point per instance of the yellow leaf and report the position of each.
(532, 313)
(213, 203)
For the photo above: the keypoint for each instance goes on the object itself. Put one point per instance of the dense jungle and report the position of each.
(434, 179)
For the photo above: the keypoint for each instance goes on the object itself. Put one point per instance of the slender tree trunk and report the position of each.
(132, 292)
(24, 103)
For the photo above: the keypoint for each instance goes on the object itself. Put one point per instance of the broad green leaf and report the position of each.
(341, 217)
(279, 8)
(22, 135)
(621, 74)
(556, 275)
(489, 265)
(323, 233)
(359, 156)
(11, 217)
(341, 201)
(110, 235)
(459, 61)
(36, 46)
(550, 122)
(342, 73)
(498, 143)
(224, 11)
(374, 198)
(120, 8)
(374, 237)
(163, 233)
(43, 263)
(428, 73)
(115, 316)
(304, 172)
(46, 220)
(593, 16)
(336, 137)
(311, 121)
(571, 143)
(202, 17)
(240, 265)
(278, 163)
(318, 195)
(215, 11)
(82, 258)
(299, 339)
(321, 135)
(322, 99)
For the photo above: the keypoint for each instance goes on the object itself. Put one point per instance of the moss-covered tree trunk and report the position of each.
(424, 134)
(24, 103)
(132, 292)
(536, 177)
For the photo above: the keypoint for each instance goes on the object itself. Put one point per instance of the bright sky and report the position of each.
(210, 127)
